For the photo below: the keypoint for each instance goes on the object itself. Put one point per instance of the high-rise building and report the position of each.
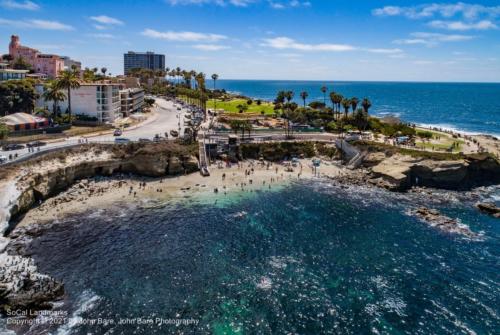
(143, 60)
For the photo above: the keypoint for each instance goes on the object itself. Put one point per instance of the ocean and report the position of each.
(309, 258)
(467, 107)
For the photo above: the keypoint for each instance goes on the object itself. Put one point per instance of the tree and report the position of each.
(54, 94)
(4, 131)
(324, 89)
(214, 78)
(103, 71)
(360, 119)
(67, 80)
(346, 104)
(149, 101)
(366, 104)
(242, 108)
(17, 96)
(21, 64)
(304, 96)
(354, 104)
(88, 75)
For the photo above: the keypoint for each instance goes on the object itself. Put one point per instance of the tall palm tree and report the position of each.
(215, 76)
(103, 71)
(324, 89)
(338, 101)
(332, 99)
(354, 104)
(289, 96)
(346, 103)
(67, 80)
(304, 96)
(54, 94)
(366, 104)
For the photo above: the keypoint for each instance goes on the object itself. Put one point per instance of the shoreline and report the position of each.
(98, 194)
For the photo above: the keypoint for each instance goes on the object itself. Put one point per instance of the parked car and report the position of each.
(174, 133)
(3, 159)
(13, 146)
(36, 144)
(121, 140)
(144, 140)
(117, 132)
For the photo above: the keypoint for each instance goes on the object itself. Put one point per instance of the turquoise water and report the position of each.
(461, 106)
(311, 258)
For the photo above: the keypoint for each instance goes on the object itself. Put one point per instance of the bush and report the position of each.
(424, 134)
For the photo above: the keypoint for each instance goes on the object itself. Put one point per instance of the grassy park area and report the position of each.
(439, 141)
(237, 105)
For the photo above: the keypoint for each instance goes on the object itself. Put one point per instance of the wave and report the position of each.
(86, 301)
(449, 127)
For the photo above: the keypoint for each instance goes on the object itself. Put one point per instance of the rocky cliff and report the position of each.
(401, 172)
(21, 286)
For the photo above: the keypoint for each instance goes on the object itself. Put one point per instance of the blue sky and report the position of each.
(271, 39)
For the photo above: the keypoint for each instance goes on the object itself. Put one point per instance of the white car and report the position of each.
(3, 159)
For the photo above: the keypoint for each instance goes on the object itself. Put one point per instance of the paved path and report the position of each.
(167, 118)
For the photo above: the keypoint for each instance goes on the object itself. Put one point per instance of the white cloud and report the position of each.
(432, 39)
(458, 16)
(183, 36)
(276, 4)
(467, 11)
(36, 24)
(384, 51)
(211, 47)
(238, 3)
(106, 20)
(288, 4)
(288, 43)
(26, 5)
(463, 26)
(102, 36)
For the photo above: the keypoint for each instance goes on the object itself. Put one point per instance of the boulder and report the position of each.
(489, 208)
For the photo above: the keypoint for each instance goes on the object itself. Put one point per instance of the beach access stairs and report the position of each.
(203, 161)
(353, 156)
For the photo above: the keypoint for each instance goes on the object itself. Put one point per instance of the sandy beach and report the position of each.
(99, 193)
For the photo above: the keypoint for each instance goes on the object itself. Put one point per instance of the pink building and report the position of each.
(50, 65)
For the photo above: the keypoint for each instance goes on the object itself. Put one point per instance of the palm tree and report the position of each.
(346, 103)
(304, 96)
(215, 76)
(67, 80)
(332, 99)
(54, 94)
(289, 96)
(338, 101)
(366, 105)
(178, 72)
(354, 104)
(324, 89)
(103, 71)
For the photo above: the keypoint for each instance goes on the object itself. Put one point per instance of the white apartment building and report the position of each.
(132, 100)
(99, 100)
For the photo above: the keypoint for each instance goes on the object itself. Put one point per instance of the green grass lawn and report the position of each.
(232, 106)
(442, 141)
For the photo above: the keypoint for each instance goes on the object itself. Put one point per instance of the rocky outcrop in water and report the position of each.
(489, 208)
(443, 223)
(401, 172)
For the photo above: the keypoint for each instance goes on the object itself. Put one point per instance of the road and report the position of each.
(167, 118)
